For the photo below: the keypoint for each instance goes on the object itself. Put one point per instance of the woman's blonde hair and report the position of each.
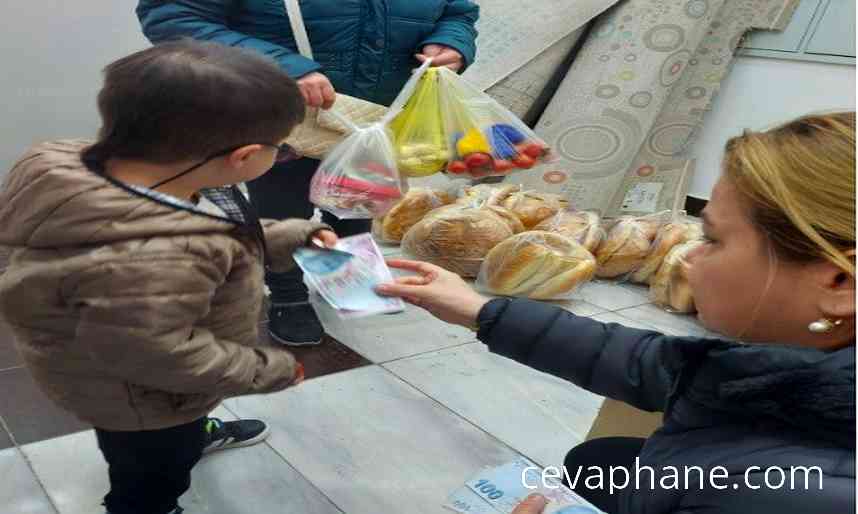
(799, 180)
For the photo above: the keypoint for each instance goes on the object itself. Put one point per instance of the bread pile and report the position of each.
(533, 207)
(458, 237)
(537, 264)
(626, 246)
(669, 236)
(582, 226)
(669, 287)
(486, 194)
(530, 244)
(416, 204)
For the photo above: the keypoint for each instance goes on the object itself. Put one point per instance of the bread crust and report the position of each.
(537, 264)
(583, 226)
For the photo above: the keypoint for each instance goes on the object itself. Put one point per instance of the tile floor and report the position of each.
(395, 407)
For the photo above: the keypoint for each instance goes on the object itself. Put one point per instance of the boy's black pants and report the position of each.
(282, 193)
(150, 470)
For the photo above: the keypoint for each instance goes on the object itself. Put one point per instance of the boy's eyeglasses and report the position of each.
(285, 153)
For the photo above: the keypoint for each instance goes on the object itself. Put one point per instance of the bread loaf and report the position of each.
(669, 286)
(626, 246)
(669, 236)
(582, 226)
(456, 237)
(533, 207)
(511, 219)
(485, 194)
(409, 210)
(537, 264)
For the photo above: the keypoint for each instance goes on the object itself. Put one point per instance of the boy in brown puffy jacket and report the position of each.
(136, 281)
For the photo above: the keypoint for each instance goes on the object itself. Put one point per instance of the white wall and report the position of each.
(759, 93)
(51, 56)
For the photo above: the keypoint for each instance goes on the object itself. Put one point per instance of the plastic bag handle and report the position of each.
(395, 108)
(407, 91)
(299, 31)
(350, 125)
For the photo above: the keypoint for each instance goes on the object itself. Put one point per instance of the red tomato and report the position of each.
(524, 161)
(502, 165)
(478, 160)
(534, 150)
(480, 172)
(457, 167)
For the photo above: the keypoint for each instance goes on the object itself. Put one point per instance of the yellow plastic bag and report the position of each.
(418, 131)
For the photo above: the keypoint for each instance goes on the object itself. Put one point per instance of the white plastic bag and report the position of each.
(416, 204)
(676, 232)
(457, 237)
(485, 138)
(537, 264)
(582, 226)
(627, 244)
(669, 287)
(359, 178)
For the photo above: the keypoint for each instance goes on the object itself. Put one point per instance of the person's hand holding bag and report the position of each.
(442, 56)
(317, 90)
(443, 293)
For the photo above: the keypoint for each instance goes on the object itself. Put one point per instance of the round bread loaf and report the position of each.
(582, 226)
(456, 237)
(626, 246)
(670, 235)
(511, 219)
(669, 286)
(533, 207)
(537, 264)
(485, 194)
(416, 204)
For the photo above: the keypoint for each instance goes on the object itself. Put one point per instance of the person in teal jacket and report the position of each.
(362, 48)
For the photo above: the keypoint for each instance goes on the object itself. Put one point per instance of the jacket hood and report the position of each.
(810, 390)
(50, 199)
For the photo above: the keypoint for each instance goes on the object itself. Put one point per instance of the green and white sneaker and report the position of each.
(222, 435)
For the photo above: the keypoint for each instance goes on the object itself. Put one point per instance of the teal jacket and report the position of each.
(365, 47)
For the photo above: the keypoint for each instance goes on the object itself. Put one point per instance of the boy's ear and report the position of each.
(239, 157)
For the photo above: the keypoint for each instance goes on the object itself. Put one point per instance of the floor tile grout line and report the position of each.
(293, 466)
(462, 417)
(420, 354)
(32, 469)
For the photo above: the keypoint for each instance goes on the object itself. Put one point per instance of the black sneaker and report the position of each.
(295, 324)
(221, 435)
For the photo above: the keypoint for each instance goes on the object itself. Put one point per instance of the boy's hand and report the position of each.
(442, 56)
(299, 374)
(326, 237)
(317, 90)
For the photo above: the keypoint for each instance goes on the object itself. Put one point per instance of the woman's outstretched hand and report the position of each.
(533, 504)
(443, 293)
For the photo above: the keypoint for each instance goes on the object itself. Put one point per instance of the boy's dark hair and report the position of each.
(187, 99)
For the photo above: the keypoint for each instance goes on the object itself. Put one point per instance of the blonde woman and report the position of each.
(771, 422)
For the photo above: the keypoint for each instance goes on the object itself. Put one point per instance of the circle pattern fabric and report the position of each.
(596, 147)
(664, 38)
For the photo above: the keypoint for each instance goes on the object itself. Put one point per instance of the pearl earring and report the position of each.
(824, 325)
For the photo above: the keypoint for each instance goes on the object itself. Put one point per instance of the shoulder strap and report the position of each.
(299, 31)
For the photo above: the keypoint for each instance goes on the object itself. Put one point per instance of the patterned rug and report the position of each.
(628, 111)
